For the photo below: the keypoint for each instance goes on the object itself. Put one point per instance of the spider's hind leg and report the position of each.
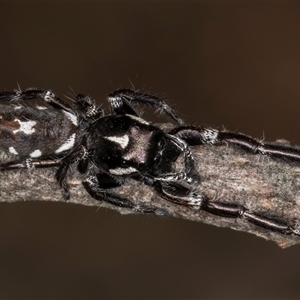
(193, 135)
(32, 93)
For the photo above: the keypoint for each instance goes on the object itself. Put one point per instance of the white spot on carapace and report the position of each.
(71, 117)
(41, 107)
(137, 119)
(16, 107)
(35, 153)
(120, 140)
(122, 171)
(25, 127)
(12, 150)
(67, 145)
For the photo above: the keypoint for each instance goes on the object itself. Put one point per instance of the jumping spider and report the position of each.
(108, 148)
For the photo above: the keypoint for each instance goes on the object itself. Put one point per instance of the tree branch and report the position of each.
(228, 174)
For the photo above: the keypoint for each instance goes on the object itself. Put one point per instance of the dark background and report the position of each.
(224, 64)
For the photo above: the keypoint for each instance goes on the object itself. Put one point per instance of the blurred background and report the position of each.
(230, 64)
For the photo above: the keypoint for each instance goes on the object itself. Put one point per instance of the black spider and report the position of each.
(110, 148)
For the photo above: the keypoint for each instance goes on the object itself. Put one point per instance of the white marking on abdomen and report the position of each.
(120, 140)
(12, 150)
(71, 117)
(67, 145)
(25, 127)
(35, 153)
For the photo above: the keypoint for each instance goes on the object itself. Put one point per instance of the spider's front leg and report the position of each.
(120, 102)
(193, 135)
(97, 185)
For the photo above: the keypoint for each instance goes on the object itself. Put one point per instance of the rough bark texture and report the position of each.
(227, 174)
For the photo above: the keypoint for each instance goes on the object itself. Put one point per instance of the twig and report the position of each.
(227, 173)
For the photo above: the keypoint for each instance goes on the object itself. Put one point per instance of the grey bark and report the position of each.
(228, 174)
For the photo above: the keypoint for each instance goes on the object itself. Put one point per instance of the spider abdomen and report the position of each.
(31, 132)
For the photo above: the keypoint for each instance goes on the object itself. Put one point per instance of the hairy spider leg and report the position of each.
(120, 99)
(200, 135)
(32, 93)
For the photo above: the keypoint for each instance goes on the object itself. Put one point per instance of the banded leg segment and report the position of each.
(230, 210)
(200, 136)
(179, 194)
